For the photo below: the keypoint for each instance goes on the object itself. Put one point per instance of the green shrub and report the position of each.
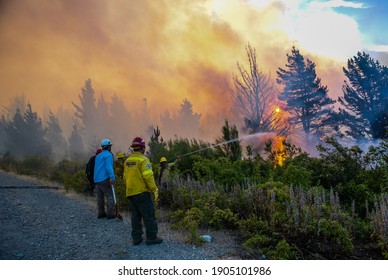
(252, 226)
(297, 176)
(384, 249)
(36, 165)
(75, 182)
(182, 198)
(359, 193)
(65, 167)
(223, 219)
(222, 171)
(334, 239)
(8, 162)
(256, 245)
(190, 223)
(283, 251)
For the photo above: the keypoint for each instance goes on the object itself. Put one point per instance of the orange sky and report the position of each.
(165, 50)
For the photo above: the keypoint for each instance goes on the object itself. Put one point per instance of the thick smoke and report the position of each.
(151, 54)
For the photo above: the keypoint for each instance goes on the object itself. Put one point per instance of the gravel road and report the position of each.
(39, 221)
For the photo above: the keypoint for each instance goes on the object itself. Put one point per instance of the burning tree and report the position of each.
(255, 97)
(306, 98)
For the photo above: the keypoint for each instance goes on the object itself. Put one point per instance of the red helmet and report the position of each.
(99, 150)
(138, 142)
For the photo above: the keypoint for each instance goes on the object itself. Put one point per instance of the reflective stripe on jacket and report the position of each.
(138, 175)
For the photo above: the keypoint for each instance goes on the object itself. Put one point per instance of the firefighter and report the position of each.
(119, 165)
(104, 178)
(164, 173)
(89, 170)
(142, 192)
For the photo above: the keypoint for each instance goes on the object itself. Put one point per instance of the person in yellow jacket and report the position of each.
(119, 165)
(142, 192)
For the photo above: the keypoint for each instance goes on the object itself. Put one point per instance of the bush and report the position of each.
(297, 176)
(223, 219)
(256, 245)
(36, 165)
(252, 226)
(69, 167)
(8, 162)
(222, 171)
(335, 240)
(283, 251)
(190, 223)
(75, 182)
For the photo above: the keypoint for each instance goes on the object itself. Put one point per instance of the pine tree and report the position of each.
(14, 130)
(228, 145)
(187, 121)
(306, 99)
(157, 147)
(86, 112)
(121, 117)
(76, 148)
(168, 125)
(35, 133)
(3, 134)
(365, 98)
(26, 135)
(17, 102)
(105, 128)
(55, 137)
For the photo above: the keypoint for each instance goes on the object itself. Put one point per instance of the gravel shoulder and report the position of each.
(40, 221)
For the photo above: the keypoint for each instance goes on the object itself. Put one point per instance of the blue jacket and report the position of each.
(103, 167)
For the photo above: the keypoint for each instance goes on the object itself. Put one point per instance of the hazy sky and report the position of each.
(169, 50)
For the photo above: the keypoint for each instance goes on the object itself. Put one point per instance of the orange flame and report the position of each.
(279, 151)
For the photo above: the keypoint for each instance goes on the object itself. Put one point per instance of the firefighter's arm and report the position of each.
(156, 196)
(148, 176)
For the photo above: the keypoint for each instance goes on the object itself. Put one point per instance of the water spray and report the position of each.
(245, 137)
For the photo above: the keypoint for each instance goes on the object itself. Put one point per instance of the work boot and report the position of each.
(101, 215)
(156, 240)
(137, 242)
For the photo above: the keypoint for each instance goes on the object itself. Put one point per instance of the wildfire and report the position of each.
(278, 148)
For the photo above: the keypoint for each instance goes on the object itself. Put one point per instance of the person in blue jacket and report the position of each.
(104, 178)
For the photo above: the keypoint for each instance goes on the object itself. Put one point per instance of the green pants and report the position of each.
(143, 209)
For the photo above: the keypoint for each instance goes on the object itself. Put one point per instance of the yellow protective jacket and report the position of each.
(138, 175)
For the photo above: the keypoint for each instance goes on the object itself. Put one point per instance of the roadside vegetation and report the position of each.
(329, 207)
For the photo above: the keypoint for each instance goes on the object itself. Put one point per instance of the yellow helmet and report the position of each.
(163, 159)
(120, 155)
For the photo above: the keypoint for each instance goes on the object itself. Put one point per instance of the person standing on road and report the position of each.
(104, 178)
(142, 192)
(89, 170)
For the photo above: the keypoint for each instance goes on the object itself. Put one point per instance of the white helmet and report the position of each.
(105, 142)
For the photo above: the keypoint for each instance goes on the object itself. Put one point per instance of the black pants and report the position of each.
(104, 190)
(142, 206)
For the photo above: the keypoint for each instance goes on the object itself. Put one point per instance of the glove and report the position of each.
(156, 196)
